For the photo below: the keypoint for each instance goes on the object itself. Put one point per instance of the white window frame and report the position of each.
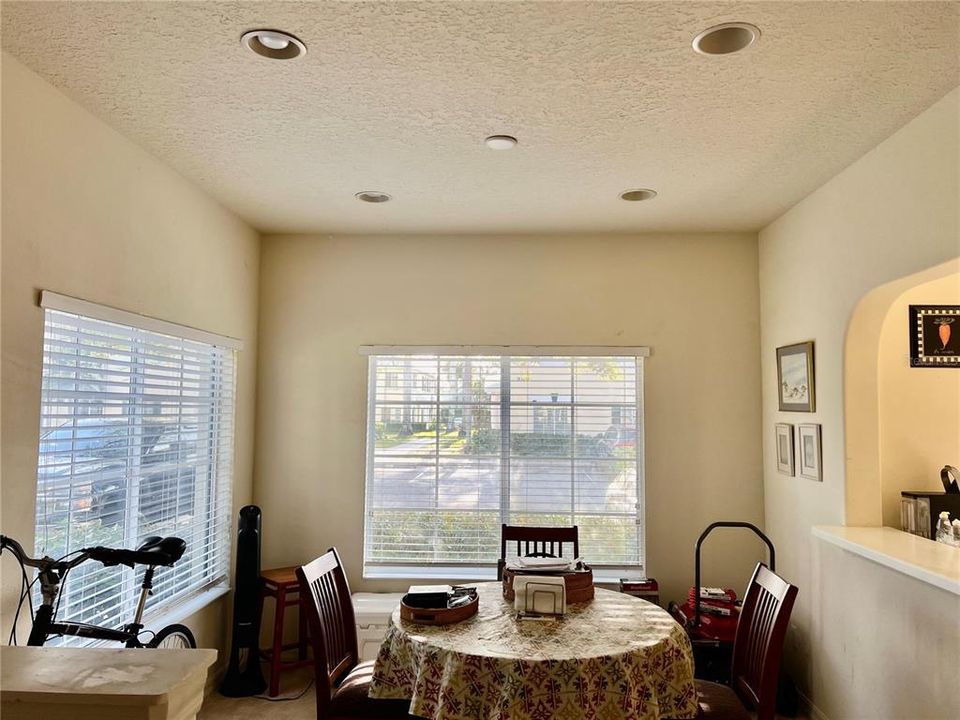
(473, 571)
(183, 602)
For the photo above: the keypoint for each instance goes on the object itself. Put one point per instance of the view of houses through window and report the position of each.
(458, 445)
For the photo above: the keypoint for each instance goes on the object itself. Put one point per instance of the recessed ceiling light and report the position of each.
(638, 195)
(373, 196)
(501, 142)
(726, 38)
(273, 44)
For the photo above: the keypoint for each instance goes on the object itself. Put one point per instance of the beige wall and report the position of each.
(693, 299)
(88, 214)
(892, 213)
(888, 643)
(919, 407)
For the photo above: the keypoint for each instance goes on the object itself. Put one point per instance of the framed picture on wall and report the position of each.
(795, 377)
(811, 458)
(785, 449)
(935, 336)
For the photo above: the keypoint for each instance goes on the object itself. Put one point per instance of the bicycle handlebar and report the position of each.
(44, 563)
(105, 555)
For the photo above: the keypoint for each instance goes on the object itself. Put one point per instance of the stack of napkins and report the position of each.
(539, 595)
(542, 564)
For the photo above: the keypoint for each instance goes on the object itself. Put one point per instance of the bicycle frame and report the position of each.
(44, 624)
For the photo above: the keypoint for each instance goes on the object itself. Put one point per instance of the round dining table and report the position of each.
(615, 657)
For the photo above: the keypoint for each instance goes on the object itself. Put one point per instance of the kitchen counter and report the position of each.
(928, 561)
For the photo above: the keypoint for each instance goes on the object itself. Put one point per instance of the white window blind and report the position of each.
(459, 444)
(136, 439)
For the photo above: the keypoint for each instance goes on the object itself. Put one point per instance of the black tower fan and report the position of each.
(244, 676)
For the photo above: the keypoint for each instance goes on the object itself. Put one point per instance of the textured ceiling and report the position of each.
(397, 96)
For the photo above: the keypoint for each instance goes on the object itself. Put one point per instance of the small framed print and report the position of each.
(811, 458)
(785, 449)
(795, 376)
(935, 336)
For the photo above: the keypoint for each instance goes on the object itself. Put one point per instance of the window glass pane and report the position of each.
(472, 430)
(406, 379)
(605, 380)
(605, 485)
(405, 430)
(540, 379)
(540, 431)
(404, 482)
(469, 379)
(541, 486)
(466, 483)
(618, 537)
(606, 431)
(136, 439)
(517, 440)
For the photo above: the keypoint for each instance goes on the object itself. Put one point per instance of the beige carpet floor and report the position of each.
(218, 707)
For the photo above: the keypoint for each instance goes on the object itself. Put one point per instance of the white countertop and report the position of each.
(106, 676)
(925, 560)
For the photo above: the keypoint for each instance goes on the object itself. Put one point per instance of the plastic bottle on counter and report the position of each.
(956, 532)
(944, 529)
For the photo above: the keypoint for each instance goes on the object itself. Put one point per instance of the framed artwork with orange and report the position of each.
(935, 336)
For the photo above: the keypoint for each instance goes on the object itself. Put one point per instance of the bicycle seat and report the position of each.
(162, 551)
(154, 551)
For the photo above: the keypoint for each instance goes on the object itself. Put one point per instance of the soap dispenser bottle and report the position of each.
(944, 529)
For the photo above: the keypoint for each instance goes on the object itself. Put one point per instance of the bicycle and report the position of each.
(154, 552)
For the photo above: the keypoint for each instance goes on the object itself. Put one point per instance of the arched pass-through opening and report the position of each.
(862, 391)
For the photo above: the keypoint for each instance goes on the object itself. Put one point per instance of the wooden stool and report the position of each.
(281, 584)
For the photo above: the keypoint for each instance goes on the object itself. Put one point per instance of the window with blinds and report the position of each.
(459, 444)
(136, 439)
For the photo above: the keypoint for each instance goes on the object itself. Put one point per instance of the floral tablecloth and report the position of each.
(614, 658)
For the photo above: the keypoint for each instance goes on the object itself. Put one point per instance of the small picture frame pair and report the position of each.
(810, 454)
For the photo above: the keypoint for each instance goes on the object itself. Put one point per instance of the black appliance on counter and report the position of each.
(920, 510)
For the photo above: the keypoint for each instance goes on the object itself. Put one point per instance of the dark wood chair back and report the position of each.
(758, 645)
(537, 542)
(333, 631)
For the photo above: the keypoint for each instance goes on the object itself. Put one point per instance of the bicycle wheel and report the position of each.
(173, 636)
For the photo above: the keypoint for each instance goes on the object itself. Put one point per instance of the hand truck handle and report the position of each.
(703, 536)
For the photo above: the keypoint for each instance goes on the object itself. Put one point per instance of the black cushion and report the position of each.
(719, 702)
(350, 699)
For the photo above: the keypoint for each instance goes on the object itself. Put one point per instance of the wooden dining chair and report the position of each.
(342, 683)
(537, 542)
(757, 652)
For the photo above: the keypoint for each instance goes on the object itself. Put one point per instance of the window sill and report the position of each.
(455, 575)
(154, 621)
(451, 574)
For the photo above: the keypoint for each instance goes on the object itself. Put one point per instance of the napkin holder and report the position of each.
(578, 583)
(539, 595)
